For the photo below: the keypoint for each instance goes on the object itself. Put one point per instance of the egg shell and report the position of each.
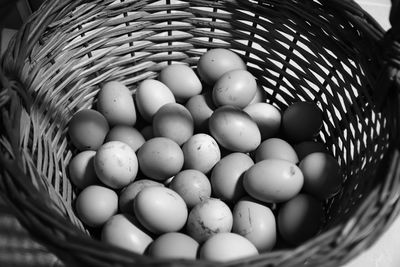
(181, 80)
(192, 185)
(160, 209)
(124, 231)
(227, 176)
(129, 193)
(81, 169)
(276, 148)
(96, 204)
(260, 95)
(235, 87)
(88, 129)
(201, 107)
(215, 62)
(273, 180)
(299, 219)
(126, 134)
(160, 158)
(255, 221)
(207, 218)
(115, 102)
(147, 132)
(224, 247)
(322, 177)
(301, 121)
(150, 96)
(267, 117)
(173, 121)
(234, 129)
(116, 164)
(174, 245)
(307, 147)
(201, 152)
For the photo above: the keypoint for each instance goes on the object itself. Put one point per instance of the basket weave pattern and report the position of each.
(328, 52)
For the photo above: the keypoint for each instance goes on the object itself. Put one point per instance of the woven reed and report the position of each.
(329, 52)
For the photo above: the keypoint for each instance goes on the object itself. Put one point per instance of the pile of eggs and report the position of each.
(199, 165)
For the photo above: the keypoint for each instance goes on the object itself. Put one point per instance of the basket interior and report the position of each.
(296, 53)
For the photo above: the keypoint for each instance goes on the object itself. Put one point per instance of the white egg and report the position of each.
(150, 96)
(224, 247)
(116, 164)
(115, 102)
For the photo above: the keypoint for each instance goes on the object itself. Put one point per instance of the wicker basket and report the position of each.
(330, 52)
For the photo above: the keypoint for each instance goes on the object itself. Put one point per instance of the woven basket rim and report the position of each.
(19, 192)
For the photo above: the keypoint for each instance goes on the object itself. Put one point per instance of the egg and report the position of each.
(267, 117)
(260, 95)
(116, 164)
(207, 218)
(129, 193)
(96, 204)
(160, 209)
(181, 80)
(150, 96)
(256, 222)
(173, 121)
(235, 87)
(215, 62)
(81, 169)
(307, 147)
(299, 219)
(276, 148)
(224, 247)
(88, 129)
(192, 185)
(124, 231)
(160, 158)
(301, 121)
(322, 176)
(174, 245)
(147, 132)
(115, 102)
(126, 134)
(201, 152)
(201, 107)
(234, 129)
(273, 180)
(227, 176)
